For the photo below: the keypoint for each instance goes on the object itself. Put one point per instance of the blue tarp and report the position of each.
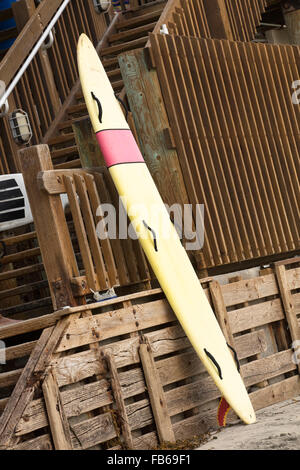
(4, 5)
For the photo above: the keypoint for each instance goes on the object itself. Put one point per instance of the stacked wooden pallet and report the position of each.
(130, 378)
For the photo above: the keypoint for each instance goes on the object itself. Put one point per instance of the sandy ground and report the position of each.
(277, 428)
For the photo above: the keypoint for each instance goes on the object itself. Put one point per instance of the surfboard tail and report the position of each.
(223, 411)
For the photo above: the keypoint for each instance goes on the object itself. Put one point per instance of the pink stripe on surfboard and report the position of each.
(119, 146)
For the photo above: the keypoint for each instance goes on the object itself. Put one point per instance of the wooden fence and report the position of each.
(76, 261)
(236, 132)
(221, 19)
(130, 378)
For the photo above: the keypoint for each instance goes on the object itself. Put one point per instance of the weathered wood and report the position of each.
(81, 233)
(249, 290)
(221, 311)
(57, 252)
(156, 395)
(57, 419)
(22, 393)
(120, 403)
(118, 322)
(144, 96)
(93, 431)
(256, 315)
(38, 443)
(288, 304)
(217, 17)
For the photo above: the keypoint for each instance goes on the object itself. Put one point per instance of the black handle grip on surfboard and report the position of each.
(211, 357)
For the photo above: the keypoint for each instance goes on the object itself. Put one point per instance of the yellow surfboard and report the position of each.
(157, 235)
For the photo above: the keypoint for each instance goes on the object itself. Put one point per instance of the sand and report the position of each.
(277, 428)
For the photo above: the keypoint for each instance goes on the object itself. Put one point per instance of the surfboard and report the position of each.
(157, 235)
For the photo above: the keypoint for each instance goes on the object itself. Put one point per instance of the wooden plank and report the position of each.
(105, 303)
(276, 393)
(254, 316)
(22, 393)
(105, 243)
(156, 395)
(120, 402)
(33, 418)
(26, 40)
(221, 311)
(38, 443)
(85, 398)
(81, 189)
(10, 378)
(288, 304)
(58, 423)
(115, 323)
(81, 233)
(217, 17)
(249, 290)
(293, 278)
(93, 431)
(54, 238)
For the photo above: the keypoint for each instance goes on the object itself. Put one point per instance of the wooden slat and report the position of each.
(91, 232)
(81, 233)
(288, 304)
(58, 424)
(93, 431)
(156, 395)
(118, 322)
(118, 396)
(105, 243)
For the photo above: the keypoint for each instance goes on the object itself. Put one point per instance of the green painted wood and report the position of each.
(88, 148)
(146, 104)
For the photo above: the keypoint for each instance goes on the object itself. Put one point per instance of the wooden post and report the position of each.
(88, 147)
(117, 392)
(53, 234)
(156, 395)
(58, 422)
(221, 311)
(218, 19)
(288, 304)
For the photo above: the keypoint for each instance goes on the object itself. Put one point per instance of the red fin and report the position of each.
(223, 411)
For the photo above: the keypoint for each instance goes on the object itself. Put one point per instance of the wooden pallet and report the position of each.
(125, 376)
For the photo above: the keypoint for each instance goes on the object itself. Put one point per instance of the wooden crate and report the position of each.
(127, 377)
